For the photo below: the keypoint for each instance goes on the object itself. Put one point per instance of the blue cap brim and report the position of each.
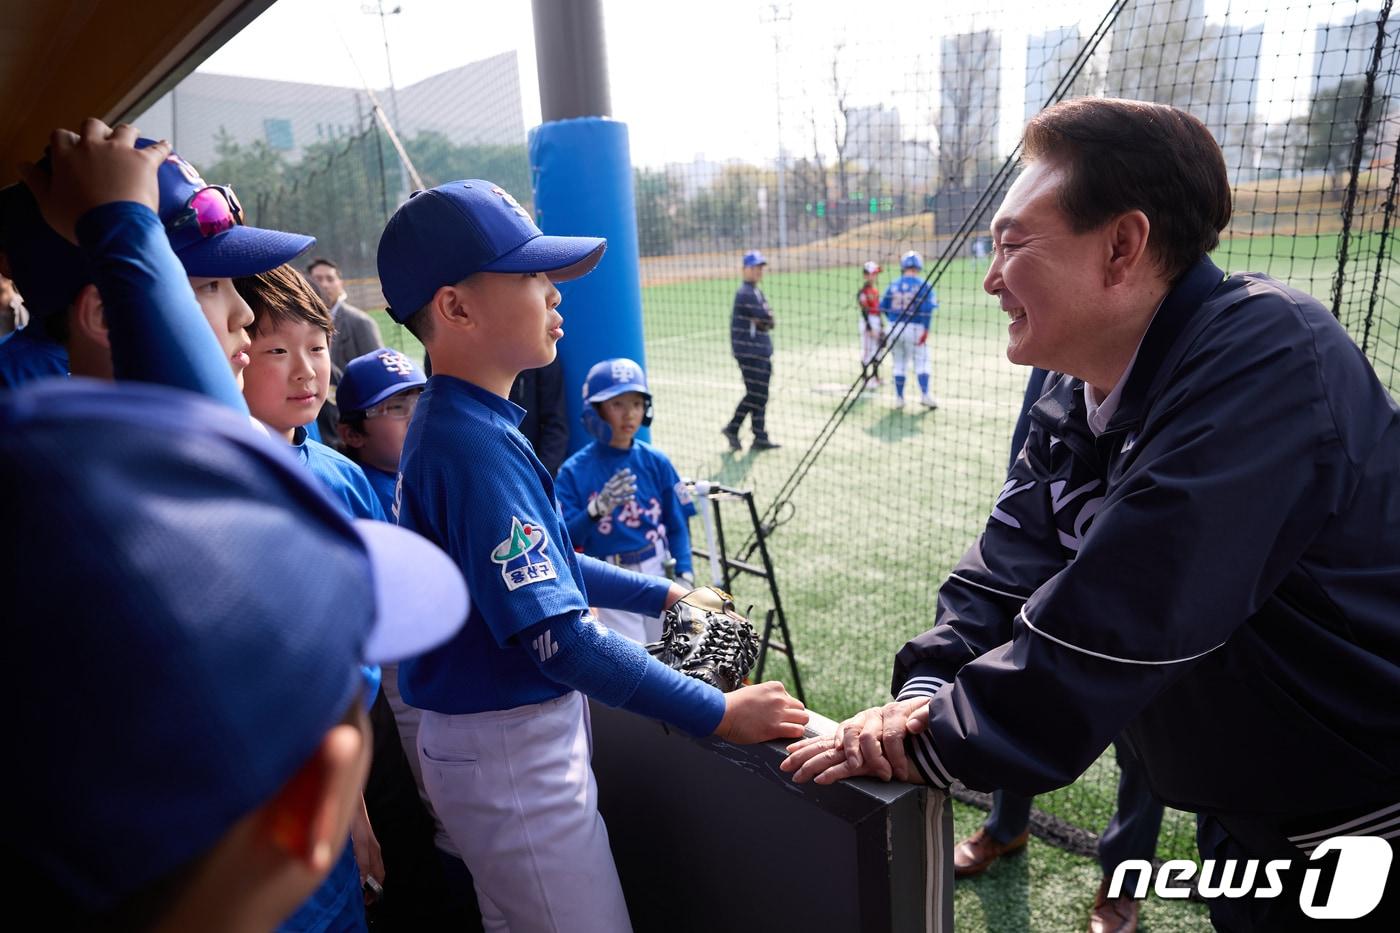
(420, 598)
(387, 392)
(614, 391)
(562, 257)
(242, 251)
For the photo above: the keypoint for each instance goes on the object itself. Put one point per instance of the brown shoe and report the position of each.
(977, 852)
(1113, 915)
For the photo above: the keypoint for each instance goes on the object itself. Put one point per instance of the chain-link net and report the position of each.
(856, 133)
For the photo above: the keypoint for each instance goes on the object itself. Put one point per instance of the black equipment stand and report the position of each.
(729, 567)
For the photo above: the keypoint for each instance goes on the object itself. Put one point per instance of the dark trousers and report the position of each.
(757, 371)
(1131, 833)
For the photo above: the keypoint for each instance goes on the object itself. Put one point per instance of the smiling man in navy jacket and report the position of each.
(1217, 472)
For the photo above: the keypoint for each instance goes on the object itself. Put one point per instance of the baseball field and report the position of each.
(897, 495)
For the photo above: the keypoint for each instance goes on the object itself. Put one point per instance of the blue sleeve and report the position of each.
(505, 532)
(573, 503)
(676, 508)
(885, 304)
(158, 332)
(613, 587)
(931, 299)
(580, 653)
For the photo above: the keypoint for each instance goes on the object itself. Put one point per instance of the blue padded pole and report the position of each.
(582, 172)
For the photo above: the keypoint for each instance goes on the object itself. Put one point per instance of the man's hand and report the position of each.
(870, 743)
(95, 166)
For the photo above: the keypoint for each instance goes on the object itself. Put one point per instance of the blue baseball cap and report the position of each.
(236, 251)
(754, 258)
(191, 611)
(441, 235)
(47, 270)
(373, 377)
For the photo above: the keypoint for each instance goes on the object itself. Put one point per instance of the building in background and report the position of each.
(1049, 56)
(968, 117)
(478, 103)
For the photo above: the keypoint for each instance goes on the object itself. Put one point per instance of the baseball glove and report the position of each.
(705, 637)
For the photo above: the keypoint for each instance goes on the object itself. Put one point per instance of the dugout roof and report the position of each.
(63, 60)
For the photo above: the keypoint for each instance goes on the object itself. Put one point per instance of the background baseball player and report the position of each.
(872, 324)
(910, 340)
(621, 497)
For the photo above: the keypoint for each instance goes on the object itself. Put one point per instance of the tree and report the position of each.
(440, 160)
(656, 210)
(255, 172)
(727, 209)
(1332, 122)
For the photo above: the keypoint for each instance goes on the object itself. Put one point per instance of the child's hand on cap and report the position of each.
(98, 165)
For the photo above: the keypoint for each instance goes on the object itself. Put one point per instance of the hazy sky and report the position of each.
(698, 79)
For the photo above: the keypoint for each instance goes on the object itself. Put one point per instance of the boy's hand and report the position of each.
(98, 165)
(761, 712)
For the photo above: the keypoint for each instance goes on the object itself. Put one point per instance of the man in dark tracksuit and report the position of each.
(1234, 608)
(753, 351)
(1020, 529)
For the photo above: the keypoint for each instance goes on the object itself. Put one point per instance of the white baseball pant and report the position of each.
(515, 790)
(907, 349)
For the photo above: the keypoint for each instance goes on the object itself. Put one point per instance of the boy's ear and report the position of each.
(88, 317)
(349, 437)
(308, 819)
(452, 306)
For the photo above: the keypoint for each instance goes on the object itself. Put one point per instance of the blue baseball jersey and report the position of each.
(383, 485)
(27, 355)
(656, 516)
(341, 475)
(472, 485)
(901, 294)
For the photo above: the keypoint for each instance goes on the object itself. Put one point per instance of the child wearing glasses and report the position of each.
(289, 373)
(377, 395)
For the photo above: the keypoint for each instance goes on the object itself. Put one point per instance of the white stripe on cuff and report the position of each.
(1369, 818)
(926, 760)
(920, 687)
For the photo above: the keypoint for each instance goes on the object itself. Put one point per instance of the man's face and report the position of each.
(229, 315)
(289, 375)
(1049, 279)
(516, 311)
(327, 282)
(754, 274)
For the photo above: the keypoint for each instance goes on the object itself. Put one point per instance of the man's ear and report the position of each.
(88, 317)
(452, 307)
(308, 819)
(1127, 246)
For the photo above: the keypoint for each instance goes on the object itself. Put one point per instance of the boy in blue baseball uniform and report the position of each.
(504, 742)
(622, 499)
(289, 374)
(377, 395)
(910, 340)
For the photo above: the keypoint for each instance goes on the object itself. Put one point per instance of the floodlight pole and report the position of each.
(571, 59)
(778, 13)
(378, 10)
